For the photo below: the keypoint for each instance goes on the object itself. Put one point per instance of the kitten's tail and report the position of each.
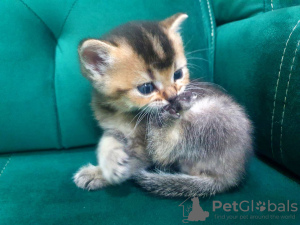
(182, 185)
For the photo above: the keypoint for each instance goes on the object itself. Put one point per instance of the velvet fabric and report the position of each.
(44, 98)
(36, 188)
(227, 11)
(258, 62)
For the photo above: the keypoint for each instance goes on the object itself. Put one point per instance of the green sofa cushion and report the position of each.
(258, 61)
(36, 188)
(44, 98)
(28, 115)
(227, 11)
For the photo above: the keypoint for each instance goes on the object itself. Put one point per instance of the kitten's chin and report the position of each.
(158, 104)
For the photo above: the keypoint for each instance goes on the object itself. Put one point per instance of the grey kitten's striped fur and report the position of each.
(210, 142)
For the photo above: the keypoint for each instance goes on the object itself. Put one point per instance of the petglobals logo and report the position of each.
(193, 211)
(252, 206)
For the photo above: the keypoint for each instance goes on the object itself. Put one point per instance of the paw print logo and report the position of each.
(261, 206)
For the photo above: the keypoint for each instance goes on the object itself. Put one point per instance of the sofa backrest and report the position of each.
(44, 99)
(258, 62)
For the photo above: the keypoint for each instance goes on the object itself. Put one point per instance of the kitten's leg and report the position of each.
(116, 163)
(112, 158)
(91, 177)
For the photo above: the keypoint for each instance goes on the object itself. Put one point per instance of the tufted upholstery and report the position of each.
(45, 100)
(258, 61)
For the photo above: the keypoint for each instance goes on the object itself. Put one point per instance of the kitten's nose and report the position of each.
(172, 100)
(174, 103)
(170, 94)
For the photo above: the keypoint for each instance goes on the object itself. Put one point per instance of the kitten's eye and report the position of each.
(146, 88)
(178, 74)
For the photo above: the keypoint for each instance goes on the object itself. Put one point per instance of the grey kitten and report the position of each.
(207, 135)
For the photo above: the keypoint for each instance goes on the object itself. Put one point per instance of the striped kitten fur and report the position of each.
(152, 115)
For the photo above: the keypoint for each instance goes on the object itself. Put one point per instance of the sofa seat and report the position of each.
(37, 188)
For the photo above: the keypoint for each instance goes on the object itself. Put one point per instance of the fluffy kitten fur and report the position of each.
(209, 141)
(193, 125)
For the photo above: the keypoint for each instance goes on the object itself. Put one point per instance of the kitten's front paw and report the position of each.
(186, 100)
(116, 167)
(89, 177)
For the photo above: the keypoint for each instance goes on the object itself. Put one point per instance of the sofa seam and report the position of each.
(277, 84)
(272, 8)
(285, 97)
(58, 125)
(40, 19)
(212, 36)
(211, 23)
(59, 138)
(7, 162)
(66, 18)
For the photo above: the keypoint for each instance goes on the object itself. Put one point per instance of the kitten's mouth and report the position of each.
(179, 104)
(176, 104)
(173, 111)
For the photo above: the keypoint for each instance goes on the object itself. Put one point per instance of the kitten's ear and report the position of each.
(95, 57)
(173, 23)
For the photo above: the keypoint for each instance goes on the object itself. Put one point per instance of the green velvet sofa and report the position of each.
(47, 130)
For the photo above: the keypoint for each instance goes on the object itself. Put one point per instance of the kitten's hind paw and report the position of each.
(89, 177)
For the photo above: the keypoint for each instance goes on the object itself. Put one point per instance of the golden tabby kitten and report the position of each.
(143, 99)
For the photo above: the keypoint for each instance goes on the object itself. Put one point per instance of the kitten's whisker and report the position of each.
(198, 50)
(148, 127)
(138, 114)
(192, 81)
(196, 58)
(198, 88)
(140, 118)
(138, 121)
(193, 66)
(188, 42)
(212, 84)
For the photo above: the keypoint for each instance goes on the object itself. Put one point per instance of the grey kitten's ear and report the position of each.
(95, 57)
(173, 23)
